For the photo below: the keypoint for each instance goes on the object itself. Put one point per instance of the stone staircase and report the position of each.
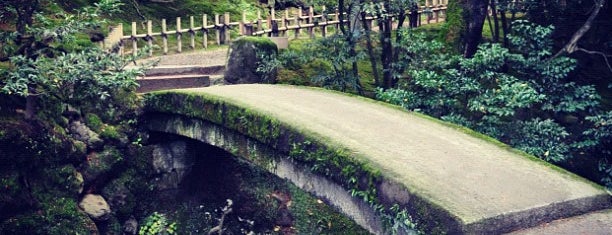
(179, 76)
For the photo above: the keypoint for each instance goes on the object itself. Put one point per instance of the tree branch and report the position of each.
(605, 56)
(571, 46)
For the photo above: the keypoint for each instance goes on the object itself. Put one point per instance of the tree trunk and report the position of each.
(414, 15)
(477, 11)
(30, 109)
(505, 28)
(25, 11)
(387, 53)
(495, 23)
(368, 34)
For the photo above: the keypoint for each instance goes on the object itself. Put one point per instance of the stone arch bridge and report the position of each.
(362, 154)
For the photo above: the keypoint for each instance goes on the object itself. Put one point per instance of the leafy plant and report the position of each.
(521, 95)
(157, 224)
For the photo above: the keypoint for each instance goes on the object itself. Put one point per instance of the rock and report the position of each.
(99, 164)
(130, 227)
(71, 112)
(78, 177)
(95, 206)
(119, 196)
(82, 133)
(243, 60)
(172, 161)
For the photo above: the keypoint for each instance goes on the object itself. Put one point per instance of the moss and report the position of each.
(336, 162)
(58, 216)
(119, 194)
(93, 122)
(110, 133)
(99, 164)
(324, 156)
(454, 26)
(292, 77)
(261, 43)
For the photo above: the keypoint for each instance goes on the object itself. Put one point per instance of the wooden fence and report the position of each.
(275, 24)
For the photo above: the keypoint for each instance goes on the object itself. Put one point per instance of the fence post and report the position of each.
(259, 27)
(242, 23)
(120, 28)
(337, 19)
(179, 37)
(269, 24)
(226, 25)
(164, 37)
(298, 17)
(134, 39)
(191, 33)
(217, 28)
(150, 37)
(204, 31)
(311, 21)
(324, 19)
(285, 21)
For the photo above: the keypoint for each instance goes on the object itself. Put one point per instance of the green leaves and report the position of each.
(518, 95)
(543, 138)
(157, 224)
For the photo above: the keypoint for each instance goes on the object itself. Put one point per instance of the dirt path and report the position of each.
(210, 57)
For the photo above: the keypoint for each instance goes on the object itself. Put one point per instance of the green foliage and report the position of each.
(519, 95)
(60, 216)
(157, 224)
(331, 72)
(49, 73)
(74, 78)
(93, 122)
(267, 65)
(544, 138)
(597, 139)
(453, 26)
(110, 132)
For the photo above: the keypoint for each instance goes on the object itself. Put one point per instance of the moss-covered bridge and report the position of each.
(365, 156)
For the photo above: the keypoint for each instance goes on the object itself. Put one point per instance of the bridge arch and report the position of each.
(271, 160)
(245, 121)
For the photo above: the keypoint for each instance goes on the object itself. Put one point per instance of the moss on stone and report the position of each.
(58, 216)
(110, 132)
(93, 122)
(321, 155)
(262, 43)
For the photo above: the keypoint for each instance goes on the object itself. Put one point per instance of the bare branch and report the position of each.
(605, 56)
(571, 46)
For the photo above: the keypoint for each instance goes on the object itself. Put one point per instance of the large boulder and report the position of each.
(172, 162)
(95, 206)
(246, 55)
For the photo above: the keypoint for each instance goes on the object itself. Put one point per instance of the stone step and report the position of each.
(184, 69)
(154, 83)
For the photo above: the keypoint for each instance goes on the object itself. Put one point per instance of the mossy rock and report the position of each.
(99, 164)
(63, 181)
(245, 57)
(56, 216)
(121, 200)
(93, 122)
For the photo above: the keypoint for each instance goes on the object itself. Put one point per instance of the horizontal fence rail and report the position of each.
(297, 21)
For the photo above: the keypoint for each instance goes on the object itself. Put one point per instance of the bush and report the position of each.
(157, 224)
(519, 95)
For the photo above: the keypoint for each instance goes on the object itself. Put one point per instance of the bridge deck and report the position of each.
(474, 179)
